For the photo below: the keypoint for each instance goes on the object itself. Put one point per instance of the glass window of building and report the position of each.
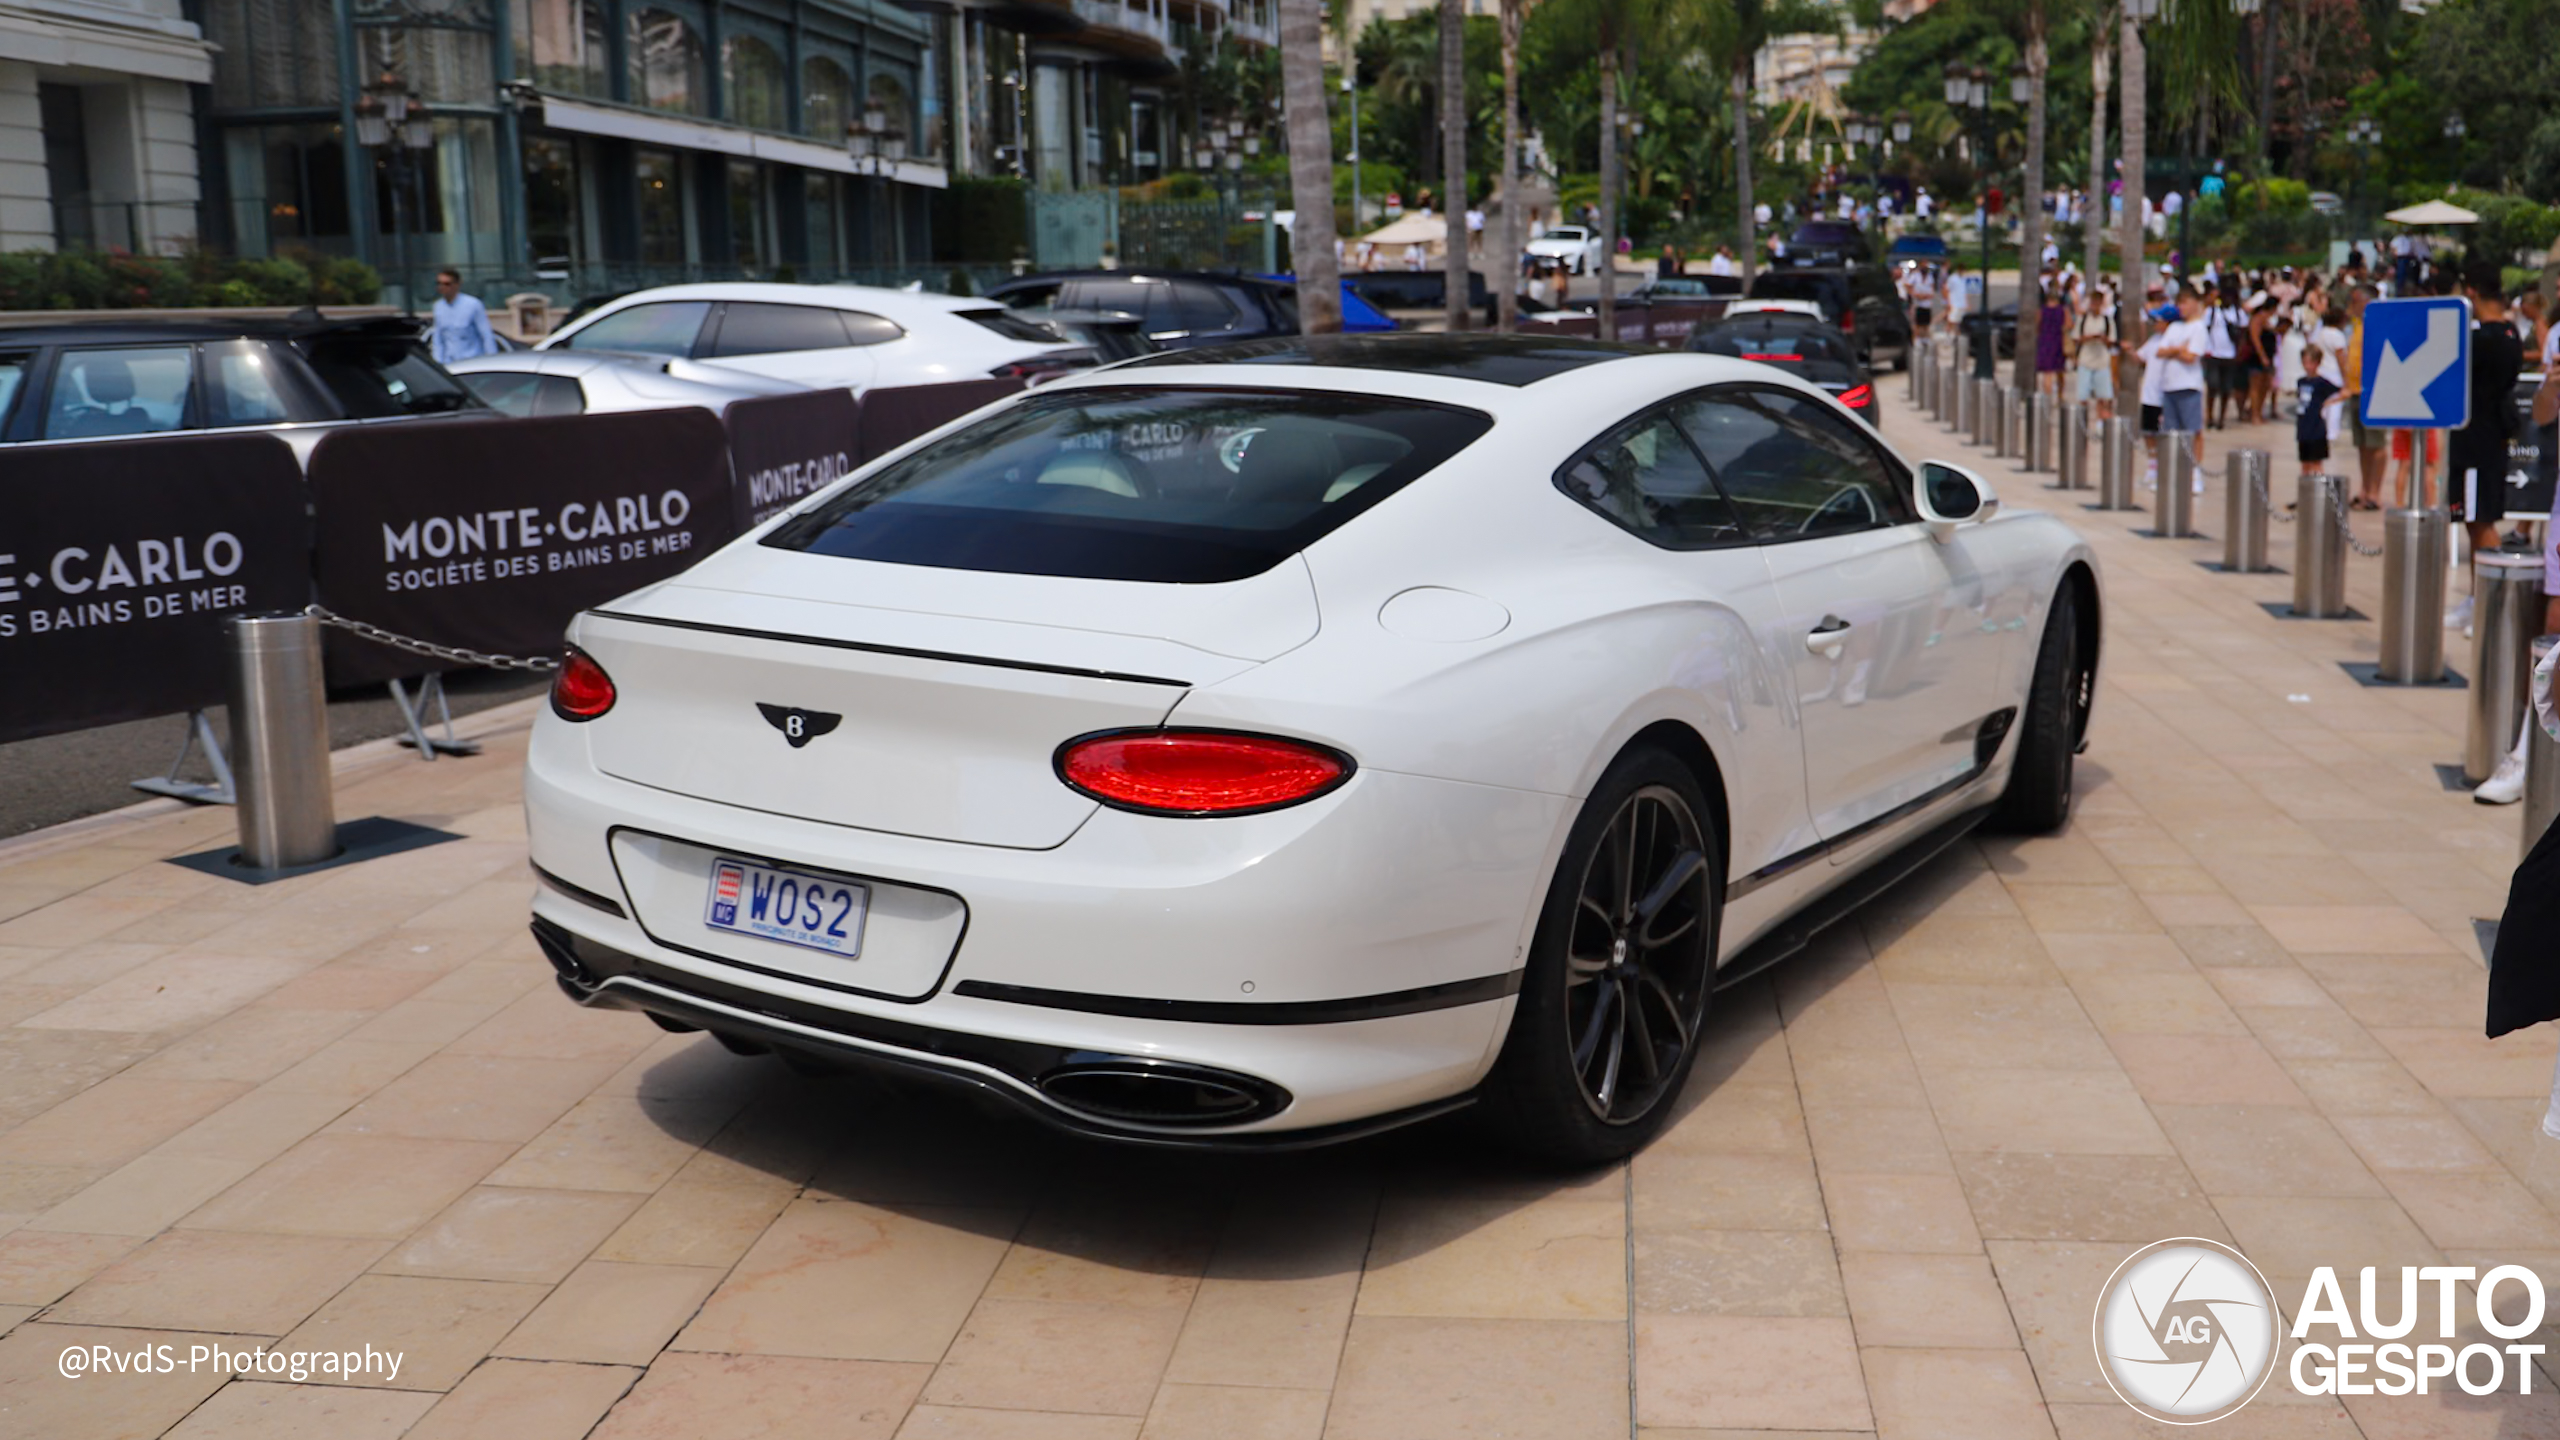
(273, 53)
(750, 214)
(288, 187)
(562, 43)
(666, 62)
(826, 99)
(551, 198)
(661, 190)
(890, 93)
(756, 92)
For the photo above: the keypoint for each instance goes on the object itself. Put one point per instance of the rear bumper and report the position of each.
(1026, 1075)
(1345, 962)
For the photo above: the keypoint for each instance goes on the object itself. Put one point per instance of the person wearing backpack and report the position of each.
(2094, 349)
(2226, 331)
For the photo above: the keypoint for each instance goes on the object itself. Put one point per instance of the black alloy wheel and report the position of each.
(1619, 976)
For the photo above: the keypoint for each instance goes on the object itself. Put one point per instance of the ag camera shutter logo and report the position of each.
(2186, 1331)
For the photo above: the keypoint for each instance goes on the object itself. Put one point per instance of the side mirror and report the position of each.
(1951, 495)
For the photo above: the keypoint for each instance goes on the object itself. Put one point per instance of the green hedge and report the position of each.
(117, 280)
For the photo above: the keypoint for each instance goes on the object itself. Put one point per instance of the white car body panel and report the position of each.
(939, 345)
(1482, 644)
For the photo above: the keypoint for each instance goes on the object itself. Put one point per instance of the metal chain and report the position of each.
(2266, 505)
(2349, 535)
(454, 653)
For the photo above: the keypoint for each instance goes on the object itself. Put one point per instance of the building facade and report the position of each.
(98, 124)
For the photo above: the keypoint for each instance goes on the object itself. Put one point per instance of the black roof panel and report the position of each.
(145, 332)
(1494, 359)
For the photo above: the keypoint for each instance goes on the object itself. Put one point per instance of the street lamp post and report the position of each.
(878, 144)
(390, 118)
(1351, 87)
(1968, 92)
(2363, 134)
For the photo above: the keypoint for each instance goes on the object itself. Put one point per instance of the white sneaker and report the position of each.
(2459, 617)
(2505, 787)
(2151, 477)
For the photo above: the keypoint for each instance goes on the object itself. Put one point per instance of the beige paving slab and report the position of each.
(523, 1400)
(1404, 1376)
(440, 1329)
(753, 1397)
(839, 1279)
(611, 1312)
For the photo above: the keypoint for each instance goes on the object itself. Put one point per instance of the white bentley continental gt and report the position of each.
(1268, 745)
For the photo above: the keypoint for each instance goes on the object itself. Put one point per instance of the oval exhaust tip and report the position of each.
(1147, 1092)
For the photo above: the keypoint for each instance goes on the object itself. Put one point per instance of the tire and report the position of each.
(1902, 357)
(1583, 1078)
(2038, 798)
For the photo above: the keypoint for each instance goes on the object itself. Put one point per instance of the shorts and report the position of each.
(2150, 419)
(2093, 382)
(2477, 494)
(2182, 411)
(2312, 452)
(2366, 437)
(2222, 377)
(2400, 446)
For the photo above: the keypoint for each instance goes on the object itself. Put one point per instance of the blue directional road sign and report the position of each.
(2417, 364)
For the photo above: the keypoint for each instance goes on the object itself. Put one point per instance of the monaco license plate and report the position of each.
(787, 906)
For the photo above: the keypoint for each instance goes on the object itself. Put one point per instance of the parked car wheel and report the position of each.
(2038, 799)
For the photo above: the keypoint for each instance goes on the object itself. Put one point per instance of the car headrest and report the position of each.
(107, 378)
(1291, 462)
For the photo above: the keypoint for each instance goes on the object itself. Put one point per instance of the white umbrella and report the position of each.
(2433, 212)
(1411, 230)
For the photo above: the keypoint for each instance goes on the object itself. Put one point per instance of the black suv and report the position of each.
(1179, 310)
(120, 378)
(1858, 298)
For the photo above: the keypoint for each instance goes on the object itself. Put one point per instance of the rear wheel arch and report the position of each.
(1691, 749)
(2084, 592)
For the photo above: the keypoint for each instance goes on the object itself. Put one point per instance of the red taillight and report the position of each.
(1858, 396)
(1848, 322)
(580, 690)
(1768, 357)
(1198, 772)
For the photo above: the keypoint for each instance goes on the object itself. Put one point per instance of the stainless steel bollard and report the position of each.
(2541, 768)
(2506, 615)
(2413, 571)
(2117, 457)
(2320, 548)
(1982, 405)
(2042, 416)
(2173, 506)
(2013, 425)
(1919, 350)
(280, 741)
(2073, 463)
(2244, 510)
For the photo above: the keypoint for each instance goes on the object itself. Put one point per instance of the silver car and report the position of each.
(580, 382)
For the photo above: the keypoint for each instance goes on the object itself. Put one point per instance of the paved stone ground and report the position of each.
(2240, 998)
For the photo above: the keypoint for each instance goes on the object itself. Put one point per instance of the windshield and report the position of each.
(1566, 234)
(1176, 486)
(377, 376)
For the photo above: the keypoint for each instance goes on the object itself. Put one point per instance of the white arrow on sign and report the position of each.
(2400, 382)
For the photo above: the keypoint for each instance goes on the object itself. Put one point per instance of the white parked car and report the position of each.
(856, 336)
(1580, 249)
(1272, 744)
(585, 382)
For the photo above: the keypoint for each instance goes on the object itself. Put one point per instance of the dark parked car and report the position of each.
(1801, 346)
(115, 378)
(1181, 310)
(1916, 249)
(1859, 299)
(1829, 242)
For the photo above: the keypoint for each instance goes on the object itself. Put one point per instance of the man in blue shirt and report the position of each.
(461, 328)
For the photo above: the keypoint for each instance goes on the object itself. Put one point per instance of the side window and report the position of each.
(862, 329)
(119, 392)
(13, 382)
(1794, 471)
(667, 327)
(559, 395)
(1202, 310)
(509, 392)
(243, 385)
(1644, 477)
(1124, 295)
(750, 328)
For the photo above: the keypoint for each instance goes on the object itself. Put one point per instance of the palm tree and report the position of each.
(1733, 33)
(2093, 226)
(1453, 158)
(1506, 287)
(2129, 231)
(1310, 131)
(1614, 15)
(2031, 202)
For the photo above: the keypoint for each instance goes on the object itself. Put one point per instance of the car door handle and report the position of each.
(1827, 637)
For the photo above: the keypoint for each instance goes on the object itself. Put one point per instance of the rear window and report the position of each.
(1780, 285)
(1012, 326)
(1786, 345)
(1171, 486)
(375, 377)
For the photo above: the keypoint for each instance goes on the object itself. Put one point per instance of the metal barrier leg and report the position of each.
(220, 792)
(2413, 576)
(430, 691)
(2505, 617)
(2245, 506)
(2320, 548)
(280, 729)
(2042, 416)
(2174, 502)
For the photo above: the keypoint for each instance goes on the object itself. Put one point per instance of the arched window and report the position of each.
(756, 93)
(666, 62)
(568, 45)
(889, 93)
(826, 99)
